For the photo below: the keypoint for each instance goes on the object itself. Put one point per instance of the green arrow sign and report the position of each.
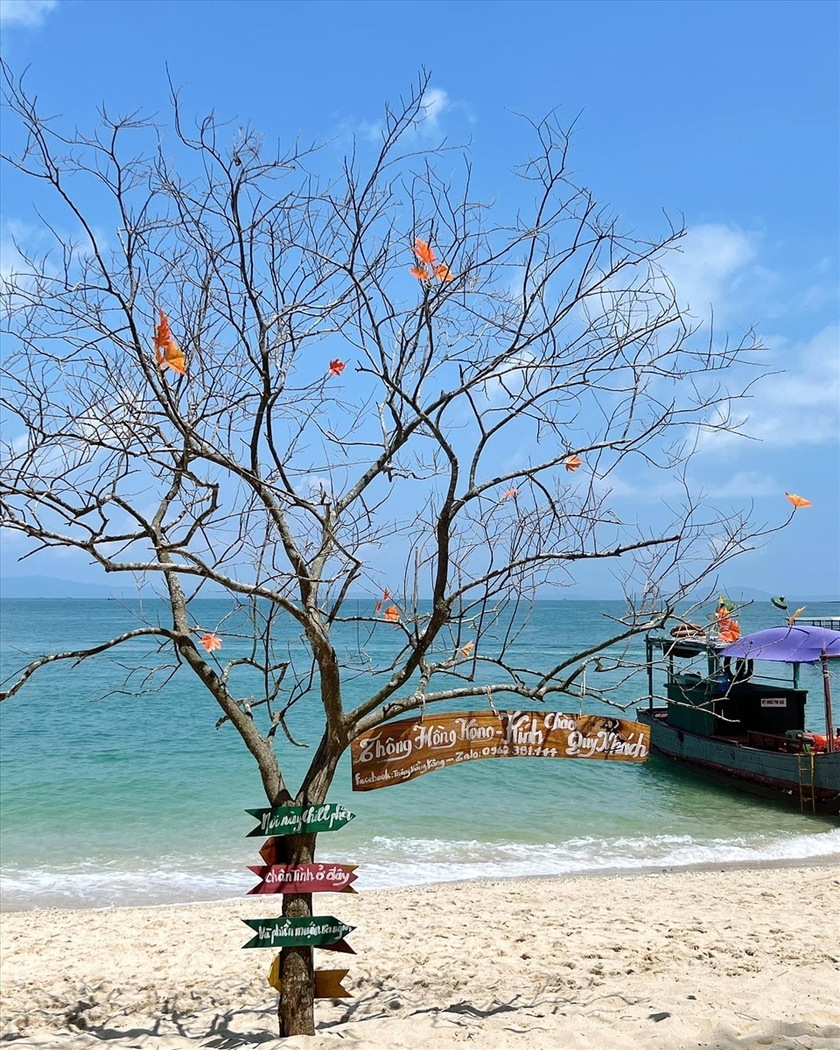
(299, 820)
(321, 930)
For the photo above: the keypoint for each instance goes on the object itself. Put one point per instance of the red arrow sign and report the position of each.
(304, 878)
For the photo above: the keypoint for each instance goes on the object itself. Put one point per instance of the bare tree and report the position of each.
(489, 399)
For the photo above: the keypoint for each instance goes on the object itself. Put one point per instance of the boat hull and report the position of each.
(807, 782)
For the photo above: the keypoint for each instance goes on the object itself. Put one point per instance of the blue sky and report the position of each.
(724, 112)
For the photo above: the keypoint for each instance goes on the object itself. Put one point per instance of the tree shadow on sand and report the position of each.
(781, 1035)
(226, 1031)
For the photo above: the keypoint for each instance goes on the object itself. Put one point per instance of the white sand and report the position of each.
(723, 959)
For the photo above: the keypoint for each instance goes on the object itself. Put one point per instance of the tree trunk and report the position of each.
(296, 1008)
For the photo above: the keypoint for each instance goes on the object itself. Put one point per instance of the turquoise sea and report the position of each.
(110, 798)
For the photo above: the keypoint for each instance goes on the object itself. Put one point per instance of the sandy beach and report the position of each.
(728, 958)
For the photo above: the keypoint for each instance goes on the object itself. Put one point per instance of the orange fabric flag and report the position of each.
(427, 266)
(424, 252)
(729, 631)
(168, 353)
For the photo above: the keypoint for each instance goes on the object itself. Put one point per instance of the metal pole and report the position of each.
(829, 722)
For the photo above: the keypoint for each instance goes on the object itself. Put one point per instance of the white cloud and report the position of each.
(510, 378)
(433, 105)
(17, 276)
(740, 486)
(711, 267)
(746, 484)
(796, 404)
(28, 13)
(11, 261)
(654, 488)
(802, 405)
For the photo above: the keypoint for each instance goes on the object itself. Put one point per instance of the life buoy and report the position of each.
(743, 671)
(688, 630)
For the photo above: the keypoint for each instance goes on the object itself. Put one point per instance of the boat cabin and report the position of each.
(712, 696)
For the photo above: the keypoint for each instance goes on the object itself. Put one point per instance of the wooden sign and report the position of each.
(304, 878)
(299, 820)
(327, 982)
(400, 751)
(322, 931)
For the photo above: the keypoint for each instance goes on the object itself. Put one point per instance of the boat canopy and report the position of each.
(793, 644)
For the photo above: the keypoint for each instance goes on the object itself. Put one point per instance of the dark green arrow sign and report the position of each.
(321, 930)
(299, 820)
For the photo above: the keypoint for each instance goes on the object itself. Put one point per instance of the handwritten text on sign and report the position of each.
(304, 878)
(299, 820)
(400, 751)
(325, 931)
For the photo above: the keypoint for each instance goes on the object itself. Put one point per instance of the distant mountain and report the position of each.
(737, 593)
(51, 587)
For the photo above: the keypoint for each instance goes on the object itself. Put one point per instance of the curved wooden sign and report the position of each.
(400, 751)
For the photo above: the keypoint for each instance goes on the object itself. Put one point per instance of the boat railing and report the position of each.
(793, 742)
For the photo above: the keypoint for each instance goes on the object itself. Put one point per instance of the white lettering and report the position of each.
(557, 720)
(521, 728)
(470, 730)
(374, 747)
(427, 734)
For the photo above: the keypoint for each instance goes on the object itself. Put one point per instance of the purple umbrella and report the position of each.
(793, 645)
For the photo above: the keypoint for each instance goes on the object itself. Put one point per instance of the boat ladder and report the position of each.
(805, 769)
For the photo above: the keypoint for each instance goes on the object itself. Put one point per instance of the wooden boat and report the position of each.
(728, 722)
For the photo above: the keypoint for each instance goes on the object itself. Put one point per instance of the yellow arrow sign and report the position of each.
(327, 982)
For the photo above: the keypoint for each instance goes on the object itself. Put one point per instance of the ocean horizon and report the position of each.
(114, 799)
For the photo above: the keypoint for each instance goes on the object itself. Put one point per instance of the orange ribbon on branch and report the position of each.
(167, 351)
(427, 264)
